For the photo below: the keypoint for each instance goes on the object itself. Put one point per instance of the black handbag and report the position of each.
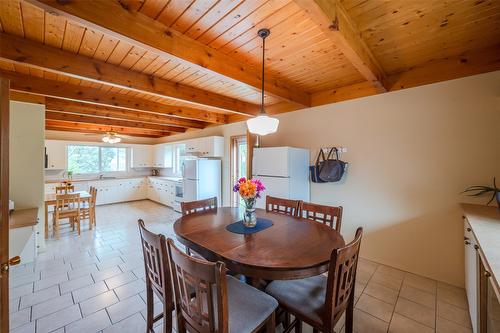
(332, 170)
(315, 169)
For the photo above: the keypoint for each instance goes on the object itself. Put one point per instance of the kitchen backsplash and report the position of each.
(51, 175)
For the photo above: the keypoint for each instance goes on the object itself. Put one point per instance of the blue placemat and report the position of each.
(239, 228)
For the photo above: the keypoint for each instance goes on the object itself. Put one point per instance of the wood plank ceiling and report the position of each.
(157, 67)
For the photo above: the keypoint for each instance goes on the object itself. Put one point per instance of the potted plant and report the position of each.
(249, 190)
(479, 190)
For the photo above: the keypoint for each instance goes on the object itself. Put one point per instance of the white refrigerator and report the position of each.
(284, 172)
(202, 179)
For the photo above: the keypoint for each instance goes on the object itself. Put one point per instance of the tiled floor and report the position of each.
(94, 283)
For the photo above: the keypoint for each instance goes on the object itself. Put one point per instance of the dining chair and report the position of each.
(67, 207)
(199, 206)
(208, 301)
(329, 215)
(320, 301)
(282, 206)
(87, 208)
(64, 189)
(158, 278)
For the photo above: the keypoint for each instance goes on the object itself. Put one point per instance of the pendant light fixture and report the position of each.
(263, 124)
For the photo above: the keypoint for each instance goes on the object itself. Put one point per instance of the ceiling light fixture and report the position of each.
(263, 124)
(111, 137)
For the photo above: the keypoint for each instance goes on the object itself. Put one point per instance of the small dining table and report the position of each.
(291, 248)
(50, 200)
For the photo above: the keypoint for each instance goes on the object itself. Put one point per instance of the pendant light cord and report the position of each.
(262, 111)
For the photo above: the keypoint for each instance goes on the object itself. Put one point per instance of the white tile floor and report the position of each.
(94, 283)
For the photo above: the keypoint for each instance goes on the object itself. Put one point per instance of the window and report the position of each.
(96, 159)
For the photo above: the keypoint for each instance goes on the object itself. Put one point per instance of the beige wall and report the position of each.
(411, 152)
(26, 183)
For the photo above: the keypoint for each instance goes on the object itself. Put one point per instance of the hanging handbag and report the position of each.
(332, 170)
(315, 169)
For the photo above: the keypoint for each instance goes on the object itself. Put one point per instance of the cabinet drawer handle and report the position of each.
(467, 243)
(466, 238)
(469, 229)
(487, 274)
(476, 247)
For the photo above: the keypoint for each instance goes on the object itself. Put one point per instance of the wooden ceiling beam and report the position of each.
(54, 60)
(57, 89)
(78, 130)
(85, 109)
(334, 21)
(103, 128)
(114, 18)
(77, 118)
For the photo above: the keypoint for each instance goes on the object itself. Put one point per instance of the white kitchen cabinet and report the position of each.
(141, 156)
(211, 146)
(159, 156)
(56, 153)
(169, 155)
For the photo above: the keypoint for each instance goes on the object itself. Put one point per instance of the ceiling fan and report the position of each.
(111, 137)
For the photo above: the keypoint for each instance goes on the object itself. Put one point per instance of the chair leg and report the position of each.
(181, 325)
(349, 314)
(315, 330)
(150, 309)
(271, 324)
(77, 219)
(167, 319)
(298, 326)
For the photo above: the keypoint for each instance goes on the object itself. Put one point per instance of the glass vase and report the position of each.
(249, 217)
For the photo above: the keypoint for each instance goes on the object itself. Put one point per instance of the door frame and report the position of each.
(232, 163)
(4, 203)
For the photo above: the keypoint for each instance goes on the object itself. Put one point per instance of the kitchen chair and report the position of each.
(87, 209)
(64, 189)
(329, 215)
(319, 300)
(158, 278)
(208, 301)
(67, 207)
(283, 206)
(200, 206)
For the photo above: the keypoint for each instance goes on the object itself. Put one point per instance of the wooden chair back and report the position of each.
(67, 205)
(341, 281)
(283, 206)
(93, 196)
(200, 206)
(200, 293)
(65, 189)
(329, 215)
(156, 263)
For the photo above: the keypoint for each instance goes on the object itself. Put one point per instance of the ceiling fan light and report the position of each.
(262, 125)
(105, 138)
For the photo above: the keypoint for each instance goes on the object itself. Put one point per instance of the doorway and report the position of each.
(239, 164)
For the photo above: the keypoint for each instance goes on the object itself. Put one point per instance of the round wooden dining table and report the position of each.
(291, 248)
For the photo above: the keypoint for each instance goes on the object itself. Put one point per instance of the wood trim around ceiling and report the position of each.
(103, 128)
(112, 18)
(57, 89)
(336, 24)
(78, 130)
(85, 109)
(57, 61)
(52, 115)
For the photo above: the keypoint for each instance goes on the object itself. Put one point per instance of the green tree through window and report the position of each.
(96, 159)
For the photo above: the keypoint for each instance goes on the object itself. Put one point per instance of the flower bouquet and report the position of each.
(249, 190)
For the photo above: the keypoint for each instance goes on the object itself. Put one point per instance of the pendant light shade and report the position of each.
(263, 124)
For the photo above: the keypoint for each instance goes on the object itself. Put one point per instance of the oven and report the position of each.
(179, 195)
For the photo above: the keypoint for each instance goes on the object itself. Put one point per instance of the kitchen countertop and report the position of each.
(23, 218)
(485, 224)
(80, 180)
(173, 179)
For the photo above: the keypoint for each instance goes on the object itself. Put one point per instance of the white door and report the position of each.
(270, 162)
(275, 187)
